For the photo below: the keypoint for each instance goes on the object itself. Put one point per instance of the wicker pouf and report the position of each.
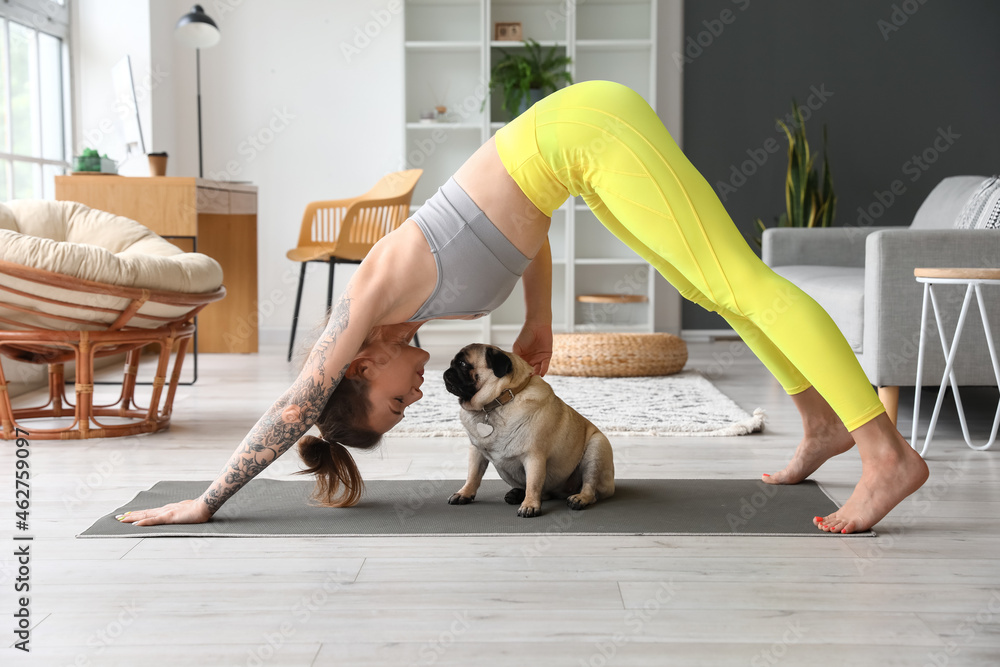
(617, 354)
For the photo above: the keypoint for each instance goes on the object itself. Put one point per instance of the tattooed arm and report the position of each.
(284, 423)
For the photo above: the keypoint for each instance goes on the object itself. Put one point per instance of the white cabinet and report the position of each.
(449, 52)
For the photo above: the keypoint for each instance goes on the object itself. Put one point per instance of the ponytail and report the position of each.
(343, 423)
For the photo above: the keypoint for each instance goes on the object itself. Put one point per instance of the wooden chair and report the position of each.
(106, 320)
(342, 231)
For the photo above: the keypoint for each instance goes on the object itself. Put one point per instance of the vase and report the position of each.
(534, 95)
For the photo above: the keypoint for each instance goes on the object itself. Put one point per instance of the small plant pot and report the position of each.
(534, 95)
(94, 164)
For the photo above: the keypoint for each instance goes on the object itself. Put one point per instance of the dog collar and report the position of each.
(507, 394)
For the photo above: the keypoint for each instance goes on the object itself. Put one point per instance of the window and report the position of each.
(34, 100)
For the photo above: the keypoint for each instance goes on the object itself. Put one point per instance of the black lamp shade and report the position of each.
(197, 30)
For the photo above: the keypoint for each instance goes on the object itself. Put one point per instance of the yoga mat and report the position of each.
(268, 507)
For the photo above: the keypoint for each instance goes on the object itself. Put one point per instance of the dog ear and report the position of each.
(499, 362)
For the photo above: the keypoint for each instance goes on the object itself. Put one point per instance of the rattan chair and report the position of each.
(342, 231)
(76, 285)
(55, 347)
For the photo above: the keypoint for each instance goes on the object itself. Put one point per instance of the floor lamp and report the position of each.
(198, 31)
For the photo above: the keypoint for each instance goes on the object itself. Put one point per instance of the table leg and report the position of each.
(920, 375)
(996, 372)
(950, 352)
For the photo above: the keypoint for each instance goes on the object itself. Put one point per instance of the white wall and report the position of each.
(102, 32)
(282, 107)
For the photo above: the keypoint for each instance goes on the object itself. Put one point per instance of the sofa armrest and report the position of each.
(816, 246)
(893, 297)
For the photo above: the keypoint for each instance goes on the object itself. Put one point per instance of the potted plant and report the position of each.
(92, 161)
(809, 198)
(523, 79)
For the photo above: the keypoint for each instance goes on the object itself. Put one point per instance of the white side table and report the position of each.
(974, 279)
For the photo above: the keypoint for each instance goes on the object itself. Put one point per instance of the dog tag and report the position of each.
(484, 429)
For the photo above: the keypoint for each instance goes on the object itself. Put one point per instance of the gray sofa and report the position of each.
(863, 277)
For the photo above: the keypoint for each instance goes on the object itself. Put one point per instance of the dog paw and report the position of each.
(528, 511)
(579, 501)
(459, 499)
(514, 497)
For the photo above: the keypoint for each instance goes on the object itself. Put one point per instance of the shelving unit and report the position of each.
(449, 52)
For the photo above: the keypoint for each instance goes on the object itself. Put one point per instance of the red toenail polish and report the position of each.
(818, 518)
(844, 530)
(766, 475)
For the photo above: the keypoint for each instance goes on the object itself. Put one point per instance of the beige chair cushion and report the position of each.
(74, 240)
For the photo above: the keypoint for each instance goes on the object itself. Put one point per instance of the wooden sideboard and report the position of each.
(216, 218)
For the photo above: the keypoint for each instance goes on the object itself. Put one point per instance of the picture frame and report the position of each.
(507, 31)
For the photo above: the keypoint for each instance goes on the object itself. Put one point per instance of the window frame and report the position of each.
(53, 19)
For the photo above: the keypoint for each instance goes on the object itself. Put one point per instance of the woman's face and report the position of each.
(395, 373)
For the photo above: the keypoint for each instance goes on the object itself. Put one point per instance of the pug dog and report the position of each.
(539, 445)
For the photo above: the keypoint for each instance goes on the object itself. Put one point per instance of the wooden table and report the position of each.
(216, 218)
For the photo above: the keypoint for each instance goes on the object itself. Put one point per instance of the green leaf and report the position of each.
(517, 73)
(809, 198)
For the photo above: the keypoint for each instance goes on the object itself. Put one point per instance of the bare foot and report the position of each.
(825, 437)
(818, 445)
(890, 473)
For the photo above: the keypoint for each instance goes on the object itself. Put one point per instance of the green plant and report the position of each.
(517, 74)
(89, 160)
(809, 199)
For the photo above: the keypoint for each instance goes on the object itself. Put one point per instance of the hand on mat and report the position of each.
(534, 345)
(186, 511)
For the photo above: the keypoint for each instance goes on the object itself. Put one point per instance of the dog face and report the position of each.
(478, 373)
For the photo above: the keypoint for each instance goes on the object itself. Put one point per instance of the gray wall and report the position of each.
(892, 77)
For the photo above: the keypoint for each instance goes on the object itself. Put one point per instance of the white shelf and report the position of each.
(610, 261)
(544, 43)
(443, 125)
(642, 327)
(450, 51)
(557, 327)
(443, 46)
(613, 44)
(553, 4)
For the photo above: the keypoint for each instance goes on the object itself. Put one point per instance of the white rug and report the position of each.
(684, 404)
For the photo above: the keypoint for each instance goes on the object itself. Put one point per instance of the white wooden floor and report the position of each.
(926, 592)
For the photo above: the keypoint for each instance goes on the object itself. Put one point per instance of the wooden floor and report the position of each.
(925, 592)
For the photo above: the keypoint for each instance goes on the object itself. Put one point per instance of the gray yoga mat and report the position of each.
(267, 507)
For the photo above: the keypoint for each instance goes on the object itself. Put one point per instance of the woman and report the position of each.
(462, 252)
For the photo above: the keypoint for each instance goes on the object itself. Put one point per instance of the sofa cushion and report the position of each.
(983, 209)
(945, 202)
(839, 290)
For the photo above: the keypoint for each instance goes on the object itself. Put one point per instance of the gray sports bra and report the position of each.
(477, 267)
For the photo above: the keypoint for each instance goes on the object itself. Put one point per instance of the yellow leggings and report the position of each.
(600, 140)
